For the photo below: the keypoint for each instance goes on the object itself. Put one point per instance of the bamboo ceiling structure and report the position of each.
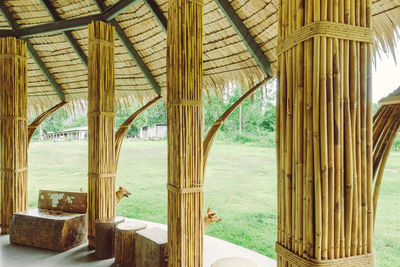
(240, 37)
(322, 52)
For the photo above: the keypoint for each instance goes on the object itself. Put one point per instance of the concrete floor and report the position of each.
(18, 256)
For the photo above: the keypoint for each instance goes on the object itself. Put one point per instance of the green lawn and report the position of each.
(240, 186)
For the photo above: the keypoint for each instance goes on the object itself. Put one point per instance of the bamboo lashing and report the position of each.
(42, 117)
(209, 139)
(324, 133)
(123, 129)
(13, 130)
(185, 119)
(101, 120)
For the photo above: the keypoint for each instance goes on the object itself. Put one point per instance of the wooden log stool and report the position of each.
(151, 248)
(105, 233)
(237, 262)
(125, 243)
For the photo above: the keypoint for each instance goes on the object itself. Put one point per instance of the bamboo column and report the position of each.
(324, 133)
(13, 129)
(101, 120)
(185, 118)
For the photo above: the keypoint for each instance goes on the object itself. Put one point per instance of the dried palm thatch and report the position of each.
(226, 57)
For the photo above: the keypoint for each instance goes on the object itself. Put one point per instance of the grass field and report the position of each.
(240, 186)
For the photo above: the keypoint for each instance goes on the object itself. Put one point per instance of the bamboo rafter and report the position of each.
(123, 129)
(36, 123)
(209, 139)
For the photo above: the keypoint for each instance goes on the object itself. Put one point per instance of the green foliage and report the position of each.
(252, 122)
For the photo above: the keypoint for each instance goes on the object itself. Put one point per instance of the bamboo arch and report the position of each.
(386, 127)
(123, 129)
(42, 117)
(209, 139)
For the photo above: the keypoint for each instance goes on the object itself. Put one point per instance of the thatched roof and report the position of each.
(227, 57)
(392, 98)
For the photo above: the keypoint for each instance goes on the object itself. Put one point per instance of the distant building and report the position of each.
(78, 133)
(153, 132)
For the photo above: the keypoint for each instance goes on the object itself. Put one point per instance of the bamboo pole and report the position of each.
(13, 130)
(101, 120)
(185, 117)
(42, 117)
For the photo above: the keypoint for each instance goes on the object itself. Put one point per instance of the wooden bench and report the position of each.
(59, 223)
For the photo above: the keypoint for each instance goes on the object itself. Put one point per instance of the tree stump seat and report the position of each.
(59, 223)
(125, 243)
(105, 233)
(151, 248)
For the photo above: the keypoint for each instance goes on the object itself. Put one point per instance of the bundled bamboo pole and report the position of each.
(42, 117)
(101, 121)
(13, 130)
(185, 117)
(324, 132)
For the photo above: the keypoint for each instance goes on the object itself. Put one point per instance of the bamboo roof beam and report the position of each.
(67, 34)
(245, 35)
(72, 24)
(131, 49)
(39, 62)
(158, 14)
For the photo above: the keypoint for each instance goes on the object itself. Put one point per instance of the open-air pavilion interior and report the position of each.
(97, 56)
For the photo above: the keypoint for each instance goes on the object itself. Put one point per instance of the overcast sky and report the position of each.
(386, 77)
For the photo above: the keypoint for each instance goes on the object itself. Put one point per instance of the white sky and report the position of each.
(386, 76)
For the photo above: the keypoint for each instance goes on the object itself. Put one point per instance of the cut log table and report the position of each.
(55, 230)
(151, 249)
(105, 234)
(60, 222)
(125, 243)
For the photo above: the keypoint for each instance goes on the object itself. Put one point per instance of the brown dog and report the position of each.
(120, 194)
(210, 218)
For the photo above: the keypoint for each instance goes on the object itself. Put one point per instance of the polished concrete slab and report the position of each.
(18, 256)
